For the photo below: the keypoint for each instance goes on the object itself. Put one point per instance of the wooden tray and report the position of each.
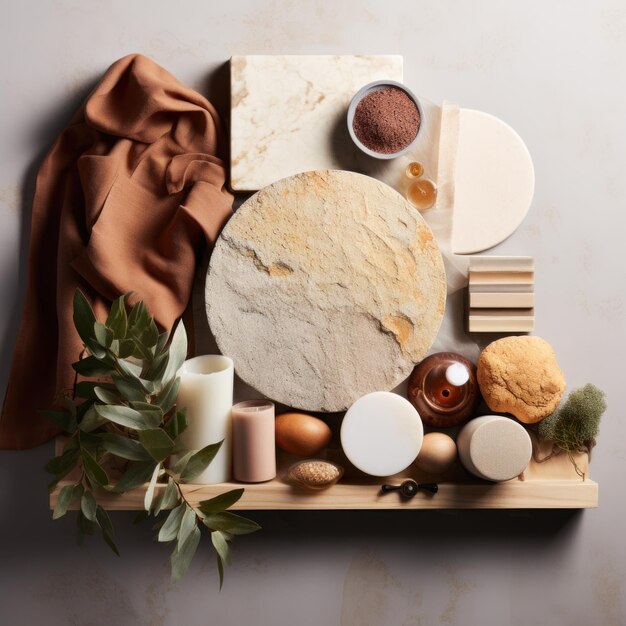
(554, 484)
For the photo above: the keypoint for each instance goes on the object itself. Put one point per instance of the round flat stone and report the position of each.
(325, 286)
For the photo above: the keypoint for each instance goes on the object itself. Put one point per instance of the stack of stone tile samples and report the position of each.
(501, 294)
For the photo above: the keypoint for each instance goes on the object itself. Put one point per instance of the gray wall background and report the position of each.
(554, 71)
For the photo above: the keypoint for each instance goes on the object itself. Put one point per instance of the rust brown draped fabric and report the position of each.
(126, 200)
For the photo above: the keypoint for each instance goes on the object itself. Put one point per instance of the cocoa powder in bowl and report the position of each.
(386, 120)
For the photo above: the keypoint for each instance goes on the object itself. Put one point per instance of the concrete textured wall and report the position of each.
(553, 70)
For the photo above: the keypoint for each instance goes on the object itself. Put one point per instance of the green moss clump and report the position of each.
(574, 426)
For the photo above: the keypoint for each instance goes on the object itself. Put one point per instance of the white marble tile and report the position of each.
(288, 112)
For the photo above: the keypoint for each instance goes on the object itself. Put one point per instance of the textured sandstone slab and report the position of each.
(323, 287)
(288, 112)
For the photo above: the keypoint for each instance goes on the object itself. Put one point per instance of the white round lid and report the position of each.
(382, 433)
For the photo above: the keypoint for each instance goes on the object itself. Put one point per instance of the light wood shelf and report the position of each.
(276, 495)
(550, 485)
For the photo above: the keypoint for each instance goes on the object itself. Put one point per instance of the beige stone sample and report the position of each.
(494, 182)
(323, 287)
(521, 376)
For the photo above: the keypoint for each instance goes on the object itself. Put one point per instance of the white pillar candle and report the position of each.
(381, 433)
(494, 447)
(206, 391)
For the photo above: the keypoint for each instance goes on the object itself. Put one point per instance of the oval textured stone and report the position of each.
(325, 286)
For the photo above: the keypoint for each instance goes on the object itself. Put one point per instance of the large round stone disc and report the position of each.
(323, 287)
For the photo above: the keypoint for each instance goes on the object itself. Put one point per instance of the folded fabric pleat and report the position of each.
(127, 199)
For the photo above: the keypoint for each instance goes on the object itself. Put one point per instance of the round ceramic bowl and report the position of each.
(377, 86)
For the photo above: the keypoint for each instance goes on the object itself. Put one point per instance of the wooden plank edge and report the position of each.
(276, 495)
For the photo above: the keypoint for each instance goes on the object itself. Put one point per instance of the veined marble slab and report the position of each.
(288, 112)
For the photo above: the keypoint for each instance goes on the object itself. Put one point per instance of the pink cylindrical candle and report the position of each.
(254, 447)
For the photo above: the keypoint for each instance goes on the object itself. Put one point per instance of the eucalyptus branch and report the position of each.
(133, 418)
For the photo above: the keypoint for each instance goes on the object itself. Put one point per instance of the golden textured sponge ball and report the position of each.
(521, 376)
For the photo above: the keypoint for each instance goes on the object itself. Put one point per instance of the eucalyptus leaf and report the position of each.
(157, 367)
(117, 319)
(85, 527)
(85, 389)
(187, 524)
(64, 420)
(67, 495)
(104, 335)
(150, 336)
(126, 416)
(108, 539)
(129, 368)
(90, 367)
(91, 420)
(124, 447)
(126, 349)
(149, 495)
(148, 385)
(181, 463)
(84, 317)
(169, 530)
(106, 527)
(71, 444)
(131, 389)
(157, 442)
(83, 407)
(221, 546)
(88, 506)
(167, 397)
(146, 407)
(177, 352)
(169, 499)
(94, 472)
(161, 343)
(220, 569)
(91, 442)
(141, 351)
(176, 424)
(62, 465)
(104, 520)
(106, 395)
(221, 502)
(229, 522)
(200, 461)
(183, 554)
(137, 473)
(138, 317)
(94, 347)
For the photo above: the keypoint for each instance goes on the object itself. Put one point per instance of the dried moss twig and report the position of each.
(575, 425)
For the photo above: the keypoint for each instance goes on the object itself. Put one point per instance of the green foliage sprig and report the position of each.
(129, 415)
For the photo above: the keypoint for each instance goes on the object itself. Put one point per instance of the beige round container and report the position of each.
(494, 447)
